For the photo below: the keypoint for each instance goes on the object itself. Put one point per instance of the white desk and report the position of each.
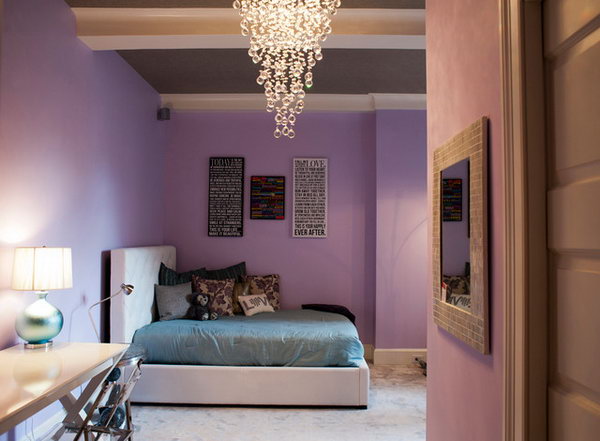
(31, 379)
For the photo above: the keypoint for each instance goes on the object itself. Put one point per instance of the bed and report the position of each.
(173, 375)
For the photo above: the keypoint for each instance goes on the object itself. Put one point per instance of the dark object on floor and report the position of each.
(337, 309)
(116, 421)
(114, 375)
(422, 365)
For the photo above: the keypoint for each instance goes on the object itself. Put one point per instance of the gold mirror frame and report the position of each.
(471, 326)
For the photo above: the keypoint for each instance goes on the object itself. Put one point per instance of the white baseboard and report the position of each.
(369, 350)
(42, 429)
(404, 357)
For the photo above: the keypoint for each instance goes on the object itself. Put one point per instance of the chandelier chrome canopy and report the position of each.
(285, 38)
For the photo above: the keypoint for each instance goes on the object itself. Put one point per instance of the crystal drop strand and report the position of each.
(285, 38)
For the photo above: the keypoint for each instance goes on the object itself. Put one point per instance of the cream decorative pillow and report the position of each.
(255, 304)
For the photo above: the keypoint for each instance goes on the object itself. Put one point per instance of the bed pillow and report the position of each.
(240, 289)
(459, 285)
(255, 304)
(336, 309)
(170, 277)
(219, 291)
(267, 285)
(172, 301)
(236, 272)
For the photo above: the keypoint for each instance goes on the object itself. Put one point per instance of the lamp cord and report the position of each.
(92, 320)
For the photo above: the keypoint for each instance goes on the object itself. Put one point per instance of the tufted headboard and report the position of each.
(138, 267)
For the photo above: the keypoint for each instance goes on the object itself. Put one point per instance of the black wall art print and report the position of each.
(267, 197)
(310, 198)
(226, 197)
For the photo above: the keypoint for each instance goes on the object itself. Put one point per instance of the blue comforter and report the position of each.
(283, 338)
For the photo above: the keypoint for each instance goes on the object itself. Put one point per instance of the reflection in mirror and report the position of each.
(456, 259)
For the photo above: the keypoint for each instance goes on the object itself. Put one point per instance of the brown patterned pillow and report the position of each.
(240, 289)
(268, 285)
(219, 291)
(458, 285)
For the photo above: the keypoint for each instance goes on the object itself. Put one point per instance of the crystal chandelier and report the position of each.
(285, 38)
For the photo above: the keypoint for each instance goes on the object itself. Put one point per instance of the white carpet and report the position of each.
(396, 413)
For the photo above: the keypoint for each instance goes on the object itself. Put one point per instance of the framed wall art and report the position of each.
(310, 198)
(267, 197)
(226, 197)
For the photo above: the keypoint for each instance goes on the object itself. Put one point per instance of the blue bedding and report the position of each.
(282, 338)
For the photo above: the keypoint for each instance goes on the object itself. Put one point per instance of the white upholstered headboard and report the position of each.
(138, 267)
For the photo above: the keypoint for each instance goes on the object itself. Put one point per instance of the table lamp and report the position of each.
(41, 269)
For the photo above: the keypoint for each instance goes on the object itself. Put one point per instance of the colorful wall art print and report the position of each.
(267, 197)
(451, 200)
(226, 197)
(310, 198)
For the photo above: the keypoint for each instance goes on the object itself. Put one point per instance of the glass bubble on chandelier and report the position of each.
(285, 38)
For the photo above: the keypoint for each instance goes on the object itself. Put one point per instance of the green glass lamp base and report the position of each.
(39, 323)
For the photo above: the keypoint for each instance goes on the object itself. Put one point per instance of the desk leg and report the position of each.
(74, 406)
(83, 428)
(129, 417)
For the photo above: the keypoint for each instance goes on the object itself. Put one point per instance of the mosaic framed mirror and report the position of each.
(460, 236)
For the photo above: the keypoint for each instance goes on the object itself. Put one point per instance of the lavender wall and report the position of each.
(455, 235)
(339, 269)
(83, 165)
(81, 160)
(402, 270)
(377, 212)
(464, 388)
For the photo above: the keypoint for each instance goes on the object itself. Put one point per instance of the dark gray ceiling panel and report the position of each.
(342, 71)
(386, 4)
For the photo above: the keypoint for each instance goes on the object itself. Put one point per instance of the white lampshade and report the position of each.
(42, 269)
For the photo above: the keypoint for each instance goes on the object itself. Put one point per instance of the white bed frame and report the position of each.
(222, 385)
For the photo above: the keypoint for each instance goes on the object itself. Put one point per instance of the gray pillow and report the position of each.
(172, 301)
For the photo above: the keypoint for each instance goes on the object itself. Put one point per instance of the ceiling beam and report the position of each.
(219, 28)
(314, 102)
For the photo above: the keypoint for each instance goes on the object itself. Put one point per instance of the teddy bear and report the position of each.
(199, 309)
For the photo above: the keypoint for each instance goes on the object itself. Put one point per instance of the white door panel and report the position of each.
(575, 139)
(572, 418)
(572, 74)
(578, 328)
(574, 217)
(563, 18)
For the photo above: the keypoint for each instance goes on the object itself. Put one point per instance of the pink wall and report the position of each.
(338, 269)
(402, 288)
(81, 159)
(464, 398)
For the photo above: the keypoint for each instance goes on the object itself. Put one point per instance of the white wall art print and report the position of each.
(310, 198)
